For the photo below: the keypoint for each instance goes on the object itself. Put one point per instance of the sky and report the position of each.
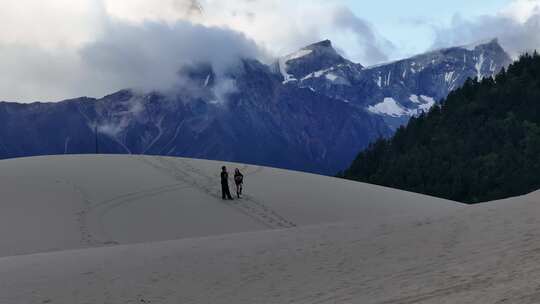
(58, 49)
(409, 23)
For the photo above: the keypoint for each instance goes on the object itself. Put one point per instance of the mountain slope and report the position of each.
(482, 144)
(399, 90)
(262, 122)
(312, 110)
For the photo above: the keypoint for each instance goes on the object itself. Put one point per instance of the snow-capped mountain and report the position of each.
(398, 90)
(262, 122)
(312, 110)
(312, 61)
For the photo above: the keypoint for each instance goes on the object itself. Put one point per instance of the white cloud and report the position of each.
(74, 48)
(517, 27)
(284, 26)
(149, 56)
(49, 24)
(162, 10)
(55, 49)
(521, 10)
(280, 26)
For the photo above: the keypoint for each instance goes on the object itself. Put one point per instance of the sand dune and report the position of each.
(67, 202)
(160, 234)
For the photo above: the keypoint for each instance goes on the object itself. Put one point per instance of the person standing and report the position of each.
(239, 181)
(225, 192)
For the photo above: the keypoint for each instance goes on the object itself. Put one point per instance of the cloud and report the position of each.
(149, 56)
(115, 125)
(374, 48)
(149, 10)
(284, 26)
(99, 53)
(58, 49)
(223, 87)
(49, 24)
(517, 27)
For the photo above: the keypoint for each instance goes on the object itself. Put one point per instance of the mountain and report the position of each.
(312, 110)
(398, 90)
(263, 122)
(317, 57)
(482, 144)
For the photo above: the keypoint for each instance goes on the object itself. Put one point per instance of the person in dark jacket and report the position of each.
(225, 193)
(239, 181)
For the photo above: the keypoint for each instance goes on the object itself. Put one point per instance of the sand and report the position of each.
(66, 202)
(132, 229)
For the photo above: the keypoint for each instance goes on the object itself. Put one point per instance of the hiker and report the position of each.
(239, 181)
(225, 193)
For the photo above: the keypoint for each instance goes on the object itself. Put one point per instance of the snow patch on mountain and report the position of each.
(389, 106)
(429, 102)
(331, 76)
(298, 54)
(317, 74)
(414, 99)
(479, 65)
(207, 80)
(283, 68)
(449, 76)
(417, 68)
(337, 79)
(388, 77)
(379, 81)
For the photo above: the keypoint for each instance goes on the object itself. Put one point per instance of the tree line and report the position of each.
(481, 143)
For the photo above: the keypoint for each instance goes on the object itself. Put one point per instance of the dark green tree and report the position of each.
(482, 143)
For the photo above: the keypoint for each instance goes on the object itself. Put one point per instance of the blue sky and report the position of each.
(407, 23)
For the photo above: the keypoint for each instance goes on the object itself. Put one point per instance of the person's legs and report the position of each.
(227, 192)
(223, 191)
(238, 190)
